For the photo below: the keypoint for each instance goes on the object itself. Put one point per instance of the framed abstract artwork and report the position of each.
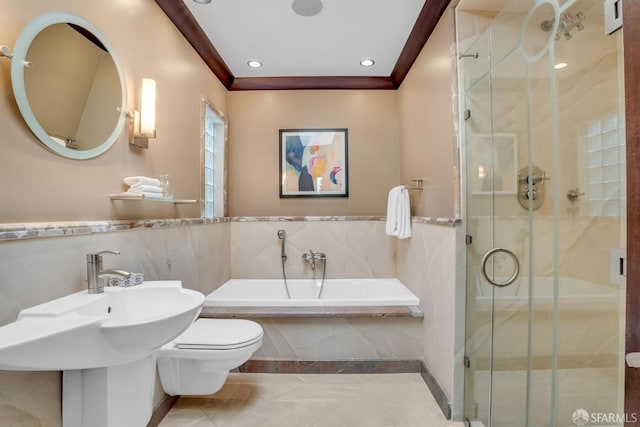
(313, 163)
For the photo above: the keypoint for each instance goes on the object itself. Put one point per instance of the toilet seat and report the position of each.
(219, 334)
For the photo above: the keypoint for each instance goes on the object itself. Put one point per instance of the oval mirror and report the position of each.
(69, 85)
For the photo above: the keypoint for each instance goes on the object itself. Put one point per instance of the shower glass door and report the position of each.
(545, 213)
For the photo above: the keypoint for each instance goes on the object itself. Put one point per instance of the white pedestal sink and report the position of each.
(106, 344)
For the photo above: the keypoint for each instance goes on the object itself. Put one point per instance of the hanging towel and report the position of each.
(398, 213)
(404, 215)
(142, 180)
(392, 210)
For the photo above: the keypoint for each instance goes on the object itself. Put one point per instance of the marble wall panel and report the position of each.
(427, 264)
(584, 243)
(341, 339)
(354, 249)
(34, 271)
(30, 399)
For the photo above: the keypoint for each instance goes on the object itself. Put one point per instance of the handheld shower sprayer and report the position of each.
(282, 235)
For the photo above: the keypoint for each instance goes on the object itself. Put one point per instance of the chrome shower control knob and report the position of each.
(574, 194)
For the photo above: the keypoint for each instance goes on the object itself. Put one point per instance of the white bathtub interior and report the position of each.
(305, 292)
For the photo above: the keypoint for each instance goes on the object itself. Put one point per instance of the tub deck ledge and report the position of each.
(332, 312)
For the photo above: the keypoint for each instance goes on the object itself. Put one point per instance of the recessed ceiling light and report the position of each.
(307, 7)
(202, 1)
(560, 65)
(254, 64)
(367, 62)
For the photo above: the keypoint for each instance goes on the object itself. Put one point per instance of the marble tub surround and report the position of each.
(356, 249)
(312, 401)
(398, 338)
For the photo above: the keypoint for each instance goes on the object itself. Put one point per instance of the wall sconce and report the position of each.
(142, 124)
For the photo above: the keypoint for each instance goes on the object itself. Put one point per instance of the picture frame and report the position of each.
(314, 163)
(493, 154)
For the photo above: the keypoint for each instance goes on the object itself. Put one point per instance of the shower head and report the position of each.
(566, 23)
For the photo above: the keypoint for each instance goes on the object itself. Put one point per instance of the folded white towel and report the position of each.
(143, 188)
(398, 213)
(141, 180)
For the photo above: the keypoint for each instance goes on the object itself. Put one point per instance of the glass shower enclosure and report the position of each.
(544, 172)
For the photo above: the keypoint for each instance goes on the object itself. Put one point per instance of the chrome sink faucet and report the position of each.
(95, 272)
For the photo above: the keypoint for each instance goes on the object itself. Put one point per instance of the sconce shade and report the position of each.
(148, 108)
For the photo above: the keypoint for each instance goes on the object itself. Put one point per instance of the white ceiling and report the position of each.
(331, 43)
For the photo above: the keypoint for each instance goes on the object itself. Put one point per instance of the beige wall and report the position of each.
(41, 186)
(427, 134)
(372, 120)
(409, 130)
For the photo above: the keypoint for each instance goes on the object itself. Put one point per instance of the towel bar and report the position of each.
(417, 184)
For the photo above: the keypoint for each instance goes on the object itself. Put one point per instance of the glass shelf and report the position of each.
(139, 197)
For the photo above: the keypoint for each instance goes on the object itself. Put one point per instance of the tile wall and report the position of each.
(33, 271)
(204, 256)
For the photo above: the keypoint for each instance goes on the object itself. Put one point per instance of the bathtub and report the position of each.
(304, 293)
(356, 319)
(589, 329)
(573, 294)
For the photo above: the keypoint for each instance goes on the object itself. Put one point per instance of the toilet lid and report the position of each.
(219, 334)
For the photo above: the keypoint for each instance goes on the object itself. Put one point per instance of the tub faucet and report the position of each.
(95, 272)
(311, 257)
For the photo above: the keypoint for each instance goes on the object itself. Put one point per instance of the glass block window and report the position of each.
(213, 147)
(606, 157)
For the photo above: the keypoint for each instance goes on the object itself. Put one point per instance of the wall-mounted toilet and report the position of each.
(198, 361)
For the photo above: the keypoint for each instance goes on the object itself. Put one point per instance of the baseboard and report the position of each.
(162, 409)
(330, 366)
(436, 390)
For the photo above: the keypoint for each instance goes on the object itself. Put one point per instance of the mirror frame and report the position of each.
(26, 37)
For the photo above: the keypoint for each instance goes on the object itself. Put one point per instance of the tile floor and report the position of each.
(288, 400)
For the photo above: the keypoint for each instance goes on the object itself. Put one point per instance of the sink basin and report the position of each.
(83, 331)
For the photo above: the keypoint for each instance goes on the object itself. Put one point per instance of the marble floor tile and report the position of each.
(289, 400)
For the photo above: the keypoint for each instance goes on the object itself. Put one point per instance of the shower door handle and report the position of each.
(516, 263)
